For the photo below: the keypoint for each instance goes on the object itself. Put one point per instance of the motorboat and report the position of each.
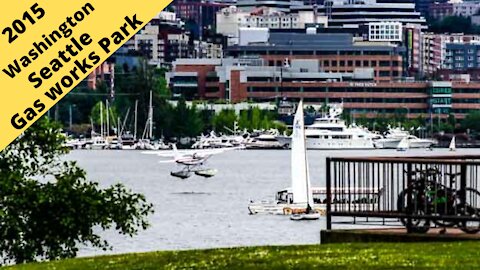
(98, 143)
(394, 136)
(403, 145)
(306, 216)
(264, 141)
(415, 142)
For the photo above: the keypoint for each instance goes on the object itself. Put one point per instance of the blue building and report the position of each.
(462, 56)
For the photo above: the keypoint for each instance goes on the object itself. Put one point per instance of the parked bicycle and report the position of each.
(427, 200)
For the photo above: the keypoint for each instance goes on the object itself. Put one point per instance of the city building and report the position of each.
(342, 13)
(413, 41)
(335, 52)
(164, 39)
(461, 8)
(466, 8)
(104, 73)
(441, 10)
(231, 19)
(154, 41)
(239, 80)
(435, 57)
(423, 6)
(385, 31)
(279, 5)
(462, 62)
(198, 14)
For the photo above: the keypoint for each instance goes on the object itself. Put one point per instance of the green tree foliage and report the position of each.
(101, 107)
(160, 86)
(135, 84)
(81, 100)
(224, 120)
(472, 121)
(454, 24)
(48, 208)
(255, 119)
(187, 121)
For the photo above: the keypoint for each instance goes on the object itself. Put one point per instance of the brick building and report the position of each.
(334, 52)
(233, 80)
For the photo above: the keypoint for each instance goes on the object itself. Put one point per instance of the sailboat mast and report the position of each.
(119, 127)
(306, 160)
(101, 119)
(108, 118)
(135, 128)
(150, 117)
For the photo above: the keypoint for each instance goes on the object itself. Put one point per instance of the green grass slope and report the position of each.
(461, 255)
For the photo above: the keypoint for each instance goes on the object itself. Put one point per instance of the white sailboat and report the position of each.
(403, 145)
(302, 193)
(452, 145)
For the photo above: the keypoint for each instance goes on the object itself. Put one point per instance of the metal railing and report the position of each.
(440, 190)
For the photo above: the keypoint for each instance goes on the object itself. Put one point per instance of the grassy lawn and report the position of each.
(460, 255)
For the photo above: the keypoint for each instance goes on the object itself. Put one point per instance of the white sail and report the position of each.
(300, 178)
(452, 145)
(403, 145)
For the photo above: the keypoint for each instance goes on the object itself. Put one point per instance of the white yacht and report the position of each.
(331, 132)
(214, 141)
(394, 136)
(264, 141)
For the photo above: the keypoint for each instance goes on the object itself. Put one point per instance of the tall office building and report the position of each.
(361, 12)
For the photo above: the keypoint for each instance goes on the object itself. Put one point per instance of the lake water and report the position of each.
(210, 213)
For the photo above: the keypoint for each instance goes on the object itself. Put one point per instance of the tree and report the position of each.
(244, 121)
(187, 121)
(471, 121)
(97, 117)
(225, 119)
(256, 115)
(454, 24)
(48, 208)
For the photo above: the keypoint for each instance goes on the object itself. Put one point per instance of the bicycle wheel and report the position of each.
(414, 225)
(418, 225)
(471, 209)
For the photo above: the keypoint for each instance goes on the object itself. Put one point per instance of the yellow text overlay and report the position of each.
(47, 47)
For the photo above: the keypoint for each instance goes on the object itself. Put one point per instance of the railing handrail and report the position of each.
(450, 160)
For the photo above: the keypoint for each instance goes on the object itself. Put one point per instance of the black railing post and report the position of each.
(463, 183)
(409, 194)
(329, 194)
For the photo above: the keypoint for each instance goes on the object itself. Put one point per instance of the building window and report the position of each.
(384, 73)
(365, 63)
(384, 63)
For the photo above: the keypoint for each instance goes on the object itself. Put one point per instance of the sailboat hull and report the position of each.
(309, 216)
